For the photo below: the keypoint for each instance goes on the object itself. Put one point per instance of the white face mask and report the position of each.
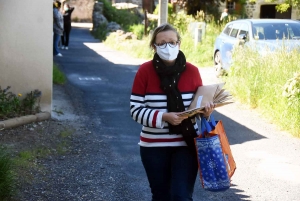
(66, 8)
(168, 53)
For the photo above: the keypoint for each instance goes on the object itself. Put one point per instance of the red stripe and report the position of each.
(154, 119)
(161, 140)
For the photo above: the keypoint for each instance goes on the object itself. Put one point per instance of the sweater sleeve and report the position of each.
(138, 106)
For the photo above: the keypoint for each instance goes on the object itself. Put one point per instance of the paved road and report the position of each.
(268, 160)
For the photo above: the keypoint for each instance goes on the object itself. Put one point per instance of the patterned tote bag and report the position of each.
(216, 163)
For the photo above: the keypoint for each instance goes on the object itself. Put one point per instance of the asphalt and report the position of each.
(267, 158)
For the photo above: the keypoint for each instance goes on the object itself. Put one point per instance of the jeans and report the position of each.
(171, 172)
(56, 38)
(66, 35)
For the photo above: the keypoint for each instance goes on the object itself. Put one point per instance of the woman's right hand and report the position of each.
(173, 118)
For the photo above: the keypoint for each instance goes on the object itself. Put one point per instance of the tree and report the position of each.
(285, 5)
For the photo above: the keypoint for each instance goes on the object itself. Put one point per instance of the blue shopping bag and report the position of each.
(214, 168)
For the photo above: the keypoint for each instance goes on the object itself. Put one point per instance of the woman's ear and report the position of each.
(154, 48)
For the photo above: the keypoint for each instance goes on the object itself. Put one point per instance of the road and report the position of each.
(268, 159)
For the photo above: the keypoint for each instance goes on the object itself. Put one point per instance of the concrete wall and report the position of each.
(26, 52)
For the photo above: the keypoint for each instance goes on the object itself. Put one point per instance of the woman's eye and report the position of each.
(161, 44)
(173, 43)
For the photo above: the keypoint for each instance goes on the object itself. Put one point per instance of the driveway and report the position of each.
(268, 159)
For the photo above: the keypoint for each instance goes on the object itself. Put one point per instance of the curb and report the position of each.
(19, 121)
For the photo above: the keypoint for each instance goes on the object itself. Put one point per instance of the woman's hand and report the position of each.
(173, 118)
(209, 108)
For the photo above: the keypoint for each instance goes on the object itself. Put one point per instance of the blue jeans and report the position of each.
(171, 172)
(56, 39)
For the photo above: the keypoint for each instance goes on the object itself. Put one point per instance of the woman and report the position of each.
(67, 26)
(58, 27)
(162, 88)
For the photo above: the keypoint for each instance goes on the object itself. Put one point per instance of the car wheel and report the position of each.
(217, 58)
(218, 64)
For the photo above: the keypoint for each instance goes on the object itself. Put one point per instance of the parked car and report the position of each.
(258, 33)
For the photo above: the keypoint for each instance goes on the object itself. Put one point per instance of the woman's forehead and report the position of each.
(166, 35)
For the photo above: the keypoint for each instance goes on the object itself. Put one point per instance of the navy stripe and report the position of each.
(136, 101)
(152, 133)
(148, 117)
(142, 119)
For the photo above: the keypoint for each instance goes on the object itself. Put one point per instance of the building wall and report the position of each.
(253, 9)
(26, 47)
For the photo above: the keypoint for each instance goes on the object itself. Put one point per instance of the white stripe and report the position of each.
(162, 144)
(156, 130)
(149, 136)
(156, 97)
(187, 96)
(137, 98)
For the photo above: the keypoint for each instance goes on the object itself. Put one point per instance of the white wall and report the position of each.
(26, 52)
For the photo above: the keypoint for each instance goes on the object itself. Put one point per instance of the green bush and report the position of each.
(12, 105)
(270, 84)
(7, 178)
(125, 18)
(138, 30)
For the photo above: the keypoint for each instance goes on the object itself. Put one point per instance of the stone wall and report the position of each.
(83, 10)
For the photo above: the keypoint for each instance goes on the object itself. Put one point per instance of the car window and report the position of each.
(244, 29)
(227, 29)
(273, 31)
(235, 29)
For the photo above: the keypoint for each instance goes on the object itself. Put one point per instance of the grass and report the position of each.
(200, 54)
(7, 177)
(262, 81)
(58, 76)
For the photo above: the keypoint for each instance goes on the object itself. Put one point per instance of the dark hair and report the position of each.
(56, 4)
(161, 28)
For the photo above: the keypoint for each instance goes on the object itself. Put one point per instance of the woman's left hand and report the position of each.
(209, 108)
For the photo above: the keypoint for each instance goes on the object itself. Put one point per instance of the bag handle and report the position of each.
(206, 126)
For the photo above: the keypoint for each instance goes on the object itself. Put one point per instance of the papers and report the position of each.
(208, 93)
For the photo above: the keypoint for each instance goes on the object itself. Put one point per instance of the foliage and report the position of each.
(292, 90)
(7, 177)
(191, 7)
(267, 84)
(12, 105)
(124, 17)
(58, 76)
(138, 30)
(101, 32)
(199, 54)
(180, 21)
(284, 5)
(170, 9)
(136, 48)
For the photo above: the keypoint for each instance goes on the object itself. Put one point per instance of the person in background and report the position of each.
(58, 27)
(67, 25)
(162, 88)
(224, 15)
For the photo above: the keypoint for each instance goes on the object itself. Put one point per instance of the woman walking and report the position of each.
(162, 88)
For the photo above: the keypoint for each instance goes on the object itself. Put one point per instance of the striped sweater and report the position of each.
(148, 103)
